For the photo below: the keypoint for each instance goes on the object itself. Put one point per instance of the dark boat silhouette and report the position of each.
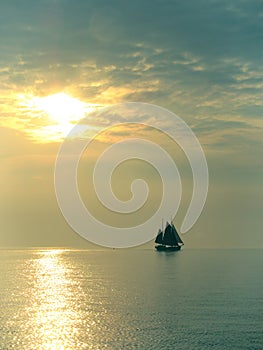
(169, 239)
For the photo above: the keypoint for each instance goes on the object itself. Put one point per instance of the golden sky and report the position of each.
(61, 61)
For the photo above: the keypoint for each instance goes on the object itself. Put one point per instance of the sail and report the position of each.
(169, 237)
(177, 237)
(159, 238)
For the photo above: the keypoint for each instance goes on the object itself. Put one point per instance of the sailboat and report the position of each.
(169, 240)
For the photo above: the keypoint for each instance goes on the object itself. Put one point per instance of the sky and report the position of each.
(61, 60)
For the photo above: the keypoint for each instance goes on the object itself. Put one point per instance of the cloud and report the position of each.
(199, 59)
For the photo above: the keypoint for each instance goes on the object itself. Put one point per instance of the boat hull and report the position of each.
(163, 248)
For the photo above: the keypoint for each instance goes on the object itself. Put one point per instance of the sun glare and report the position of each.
(61, 107)
(53, 116)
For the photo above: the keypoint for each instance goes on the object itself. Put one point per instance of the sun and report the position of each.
(61, 107)
(52, 117)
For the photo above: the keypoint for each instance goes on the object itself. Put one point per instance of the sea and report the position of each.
(131, 299)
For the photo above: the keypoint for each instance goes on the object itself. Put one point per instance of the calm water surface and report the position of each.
(131, 299)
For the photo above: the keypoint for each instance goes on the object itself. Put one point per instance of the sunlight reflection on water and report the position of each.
(54, 305)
